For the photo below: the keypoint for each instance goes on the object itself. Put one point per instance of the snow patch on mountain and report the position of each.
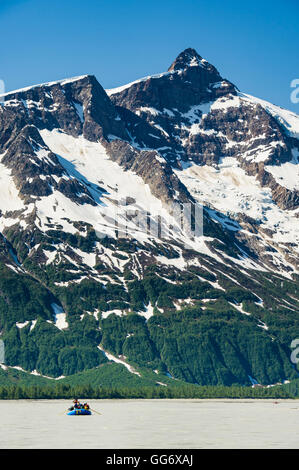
(287, 174)
(229, 190)
(10, 199)
(60, 317)
(113, 91)
(149, 312)
(110, 357)
(62, 82)
(110, 186)
(288, 119)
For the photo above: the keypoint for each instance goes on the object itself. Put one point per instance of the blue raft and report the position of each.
(79, 412)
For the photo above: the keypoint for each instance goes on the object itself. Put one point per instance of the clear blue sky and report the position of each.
(254, 44)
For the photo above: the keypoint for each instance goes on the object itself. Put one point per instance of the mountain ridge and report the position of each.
(100, 198)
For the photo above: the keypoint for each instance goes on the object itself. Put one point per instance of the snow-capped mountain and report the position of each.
(172, 200)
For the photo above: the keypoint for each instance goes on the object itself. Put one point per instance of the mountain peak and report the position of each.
(188, 58)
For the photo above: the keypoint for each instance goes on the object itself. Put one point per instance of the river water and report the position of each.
(151, 424)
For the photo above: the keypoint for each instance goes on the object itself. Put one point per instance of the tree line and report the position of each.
(63, 391)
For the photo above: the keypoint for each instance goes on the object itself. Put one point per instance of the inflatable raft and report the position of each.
(79, 412)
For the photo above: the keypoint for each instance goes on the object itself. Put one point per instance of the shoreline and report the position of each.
(196, 400)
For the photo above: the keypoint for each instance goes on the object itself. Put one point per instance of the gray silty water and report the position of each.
(151, 424)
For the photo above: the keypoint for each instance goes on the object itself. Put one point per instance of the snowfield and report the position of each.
(288, 119)
(229, 190)
(108, 183)
(225, 189)
(10, 199)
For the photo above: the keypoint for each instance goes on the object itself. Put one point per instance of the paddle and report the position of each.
(96, 412)
(65, 412)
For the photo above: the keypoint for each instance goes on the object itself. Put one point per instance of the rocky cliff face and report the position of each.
(101, 200)
(207, 121)
(206, 118)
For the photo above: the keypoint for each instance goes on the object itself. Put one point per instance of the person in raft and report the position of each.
(76, 406)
